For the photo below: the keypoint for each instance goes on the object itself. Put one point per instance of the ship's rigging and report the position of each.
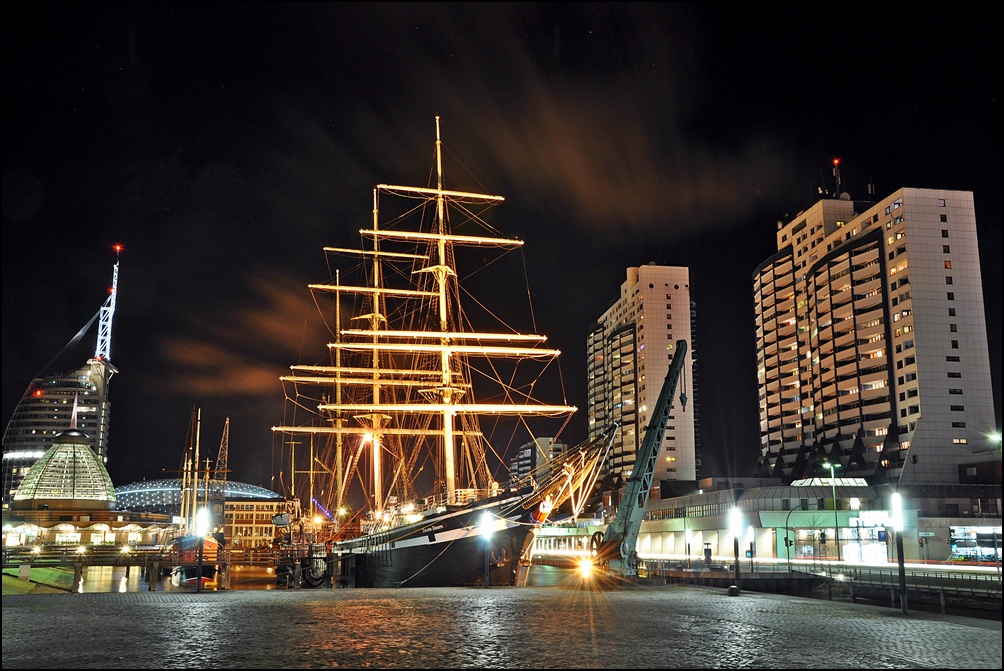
(398, 398)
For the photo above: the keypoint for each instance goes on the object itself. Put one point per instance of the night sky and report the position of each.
(224, 145)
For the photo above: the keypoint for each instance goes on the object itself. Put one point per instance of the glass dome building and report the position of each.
(69, 475)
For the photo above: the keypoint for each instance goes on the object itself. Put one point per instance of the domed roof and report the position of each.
(164, 496)
(69, 475)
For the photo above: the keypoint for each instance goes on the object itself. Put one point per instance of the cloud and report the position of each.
(248, 344)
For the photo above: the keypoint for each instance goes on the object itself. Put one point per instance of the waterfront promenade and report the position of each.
(564, 626)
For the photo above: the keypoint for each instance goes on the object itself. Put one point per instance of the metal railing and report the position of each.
(962, 583)
(115, 555)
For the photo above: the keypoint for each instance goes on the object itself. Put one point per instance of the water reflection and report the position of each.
(134, 579)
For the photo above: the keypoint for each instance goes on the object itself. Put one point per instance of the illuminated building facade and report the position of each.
(246, 510)
(871, 341)
(52, 403)
(629, 350)
(532, 460)
(46, 410)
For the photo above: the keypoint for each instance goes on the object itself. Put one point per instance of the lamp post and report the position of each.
(735, 526)
(751, 537)
(687, 534)
(897, 523)
(787, 543)
(486, 529)
(201, 529)
(836, 524)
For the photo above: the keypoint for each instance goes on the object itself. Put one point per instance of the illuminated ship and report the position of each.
(196, 549)
(398, 402)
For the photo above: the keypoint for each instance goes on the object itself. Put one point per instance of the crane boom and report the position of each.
(617, 547)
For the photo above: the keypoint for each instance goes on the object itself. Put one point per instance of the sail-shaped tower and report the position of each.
(47, 406)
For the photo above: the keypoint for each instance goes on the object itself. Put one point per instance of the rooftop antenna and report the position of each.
(871, 187)
(836, 174)
(104, 348)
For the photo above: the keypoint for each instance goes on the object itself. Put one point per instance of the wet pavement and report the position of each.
(563, 626)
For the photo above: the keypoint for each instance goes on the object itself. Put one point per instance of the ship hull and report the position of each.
(187, 572)
(446, 550)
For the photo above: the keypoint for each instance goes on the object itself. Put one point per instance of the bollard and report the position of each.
(853, 600)
(153, 578)
(892, 597)
(78, 576)
(296, 575)
(944, 603)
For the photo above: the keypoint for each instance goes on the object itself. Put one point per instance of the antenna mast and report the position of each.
(104, 347)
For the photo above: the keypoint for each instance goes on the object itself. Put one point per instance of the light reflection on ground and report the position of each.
(558, 621)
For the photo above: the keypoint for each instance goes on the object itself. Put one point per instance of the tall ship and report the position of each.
(399, 420)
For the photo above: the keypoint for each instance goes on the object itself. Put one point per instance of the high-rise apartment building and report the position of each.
(531, 463)
(629, 350)
(872, 343)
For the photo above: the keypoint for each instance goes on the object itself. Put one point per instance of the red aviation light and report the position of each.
(117, 248)
(836, 161)
(36, 393)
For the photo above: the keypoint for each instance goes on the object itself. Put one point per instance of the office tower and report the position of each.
(871, 341)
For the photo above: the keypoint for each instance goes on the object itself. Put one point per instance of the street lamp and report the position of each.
(735, 527)
(897, 523)
(201, 529)
(487, 526)
(687, 534)
(751, 537)
(836, 524)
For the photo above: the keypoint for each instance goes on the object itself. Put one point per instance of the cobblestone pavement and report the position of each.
(532, 627)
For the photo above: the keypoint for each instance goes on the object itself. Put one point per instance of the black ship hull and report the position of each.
(445, 550)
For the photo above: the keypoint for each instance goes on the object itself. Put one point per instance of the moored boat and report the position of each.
(396, 405)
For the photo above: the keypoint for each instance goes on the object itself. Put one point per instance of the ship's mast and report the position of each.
(339, 421)
(195, 472)
(376, 418)
(421, 395)
(441, 271)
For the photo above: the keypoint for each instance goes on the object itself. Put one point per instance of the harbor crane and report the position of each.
(616, 547)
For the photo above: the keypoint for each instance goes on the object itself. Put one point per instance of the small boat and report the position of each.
(196, 551)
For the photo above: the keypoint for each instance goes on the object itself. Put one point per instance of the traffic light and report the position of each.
(787, 542)
(920, 541)
(822, 536)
